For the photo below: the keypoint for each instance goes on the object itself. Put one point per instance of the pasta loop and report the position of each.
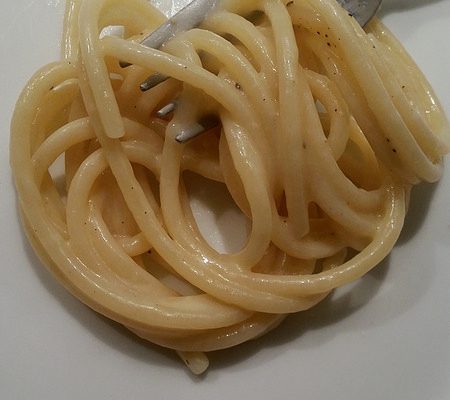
(323, 129)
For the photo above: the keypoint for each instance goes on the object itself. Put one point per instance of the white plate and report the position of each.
(388, 338)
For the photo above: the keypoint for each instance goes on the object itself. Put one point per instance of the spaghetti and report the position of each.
(323, 130)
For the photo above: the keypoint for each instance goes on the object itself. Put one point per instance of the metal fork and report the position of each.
(192, 16)
(362, 10)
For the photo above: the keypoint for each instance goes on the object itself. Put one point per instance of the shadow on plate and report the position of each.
(419, 205)
(337, 307)
(118, 338)
(344, 302)
(111, 333)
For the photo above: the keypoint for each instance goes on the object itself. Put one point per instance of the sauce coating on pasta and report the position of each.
(322, 129)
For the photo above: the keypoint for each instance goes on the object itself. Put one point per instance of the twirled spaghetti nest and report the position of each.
(323, 129)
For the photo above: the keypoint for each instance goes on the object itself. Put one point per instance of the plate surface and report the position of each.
(385, 337)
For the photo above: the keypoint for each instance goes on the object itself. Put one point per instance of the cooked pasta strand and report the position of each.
(323, 129)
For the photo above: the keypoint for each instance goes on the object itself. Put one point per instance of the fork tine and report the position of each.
(187, 18)
(190, 132)
(204, 124)
(196, 129)
(152, 81)
(167, 109)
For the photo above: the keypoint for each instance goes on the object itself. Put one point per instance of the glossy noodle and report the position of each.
(322, 129)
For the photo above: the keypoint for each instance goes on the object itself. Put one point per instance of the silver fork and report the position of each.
(192, 16)
(362, 10)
